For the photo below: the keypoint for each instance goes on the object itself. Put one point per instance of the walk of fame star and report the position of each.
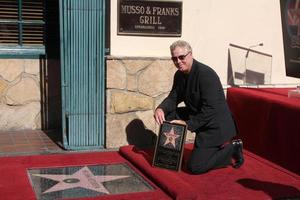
(171, 137)
(83, 178)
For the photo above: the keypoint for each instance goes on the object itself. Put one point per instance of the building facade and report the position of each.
(134, 71)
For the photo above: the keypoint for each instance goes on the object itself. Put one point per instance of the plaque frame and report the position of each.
(128, 23)
(168, 151)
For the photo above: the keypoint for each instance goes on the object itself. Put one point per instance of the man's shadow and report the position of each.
(275, 190)
(139, 136)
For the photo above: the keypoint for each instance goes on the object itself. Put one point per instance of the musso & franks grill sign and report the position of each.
(157, 18)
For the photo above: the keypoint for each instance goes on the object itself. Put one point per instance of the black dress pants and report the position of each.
(203, 159)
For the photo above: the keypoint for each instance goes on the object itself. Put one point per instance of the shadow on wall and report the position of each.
(275, 190)
(50, 70)
(51, 94)
(230, 79)
(248, 67)
(139, 136)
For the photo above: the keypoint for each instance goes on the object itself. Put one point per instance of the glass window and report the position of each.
(22, 24)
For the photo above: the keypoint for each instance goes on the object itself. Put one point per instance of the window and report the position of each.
(22, 25)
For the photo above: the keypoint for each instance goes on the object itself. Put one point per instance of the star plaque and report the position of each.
(86, 181)
(169, 146)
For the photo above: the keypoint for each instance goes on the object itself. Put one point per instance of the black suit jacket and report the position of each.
(203, 95)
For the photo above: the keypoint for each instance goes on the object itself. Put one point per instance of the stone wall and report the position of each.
(20, 99)
(135, 86)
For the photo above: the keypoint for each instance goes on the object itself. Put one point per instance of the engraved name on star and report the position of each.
(83, 178)
(170, 137)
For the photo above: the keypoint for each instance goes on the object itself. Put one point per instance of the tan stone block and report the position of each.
(32, 66)
(116, 75)
(124, 129)
(10, 69)
(108, 101)
(160, 98)
(148, 120)
(116, 129)
(134, 66)
(132, 83)
(20, 117)
(37, 122)
(157, 78)
(24, 91)
(3, 86)
(190, 137)
(122, 102)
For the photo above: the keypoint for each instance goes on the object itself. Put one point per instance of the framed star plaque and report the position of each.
(169, 146)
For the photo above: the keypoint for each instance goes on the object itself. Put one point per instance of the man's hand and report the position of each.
(159, 115)
(178, 122)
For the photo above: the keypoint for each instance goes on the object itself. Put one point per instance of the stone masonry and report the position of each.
(135, 86)
(20, 98)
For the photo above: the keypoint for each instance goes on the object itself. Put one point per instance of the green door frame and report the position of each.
(82, 45)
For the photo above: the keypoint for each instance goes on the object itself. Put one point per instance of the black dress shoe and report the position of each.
(237, 154)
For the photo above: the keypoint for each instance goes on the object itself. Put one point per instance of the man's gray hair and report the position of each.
(182, 44)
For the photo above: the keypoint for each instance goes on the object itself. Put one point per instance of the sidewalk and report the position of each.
(28, 142)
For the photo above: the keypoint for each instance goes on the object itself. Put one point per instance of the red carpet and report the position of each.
(268, 123)
(15, 184)
(277, 91)
(257, 179)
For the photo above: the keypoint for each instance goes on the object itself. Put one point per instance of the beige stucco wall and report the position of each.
(210, 26)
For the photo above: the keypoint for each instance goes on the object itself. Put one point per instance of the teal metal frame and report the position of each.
(82, 73)
(21, 52)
